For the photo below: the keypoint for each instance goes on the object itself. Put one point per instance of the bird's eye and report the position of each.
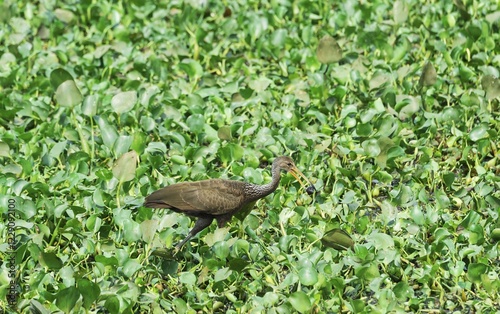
(289, 164)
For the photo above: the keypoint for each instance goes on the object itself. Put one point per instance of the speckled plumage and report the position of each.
(216, 198)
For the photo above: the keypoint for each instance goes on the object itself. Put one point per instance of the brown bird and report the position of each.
(217, 198)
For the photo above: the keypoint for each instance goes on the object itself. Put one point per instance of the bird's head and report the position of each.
(286, 163)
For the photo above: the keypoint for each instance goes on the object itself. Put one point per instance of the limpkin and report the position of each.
(217, 198)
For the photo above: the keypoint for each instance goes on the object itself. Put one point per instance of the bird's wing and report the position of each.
(212, 197)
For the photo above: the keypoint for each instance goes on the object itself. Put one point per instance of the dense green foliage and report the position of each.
(104, 102)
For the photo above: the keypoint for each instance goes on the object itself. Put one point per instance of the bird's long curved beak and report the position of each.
(298, 175)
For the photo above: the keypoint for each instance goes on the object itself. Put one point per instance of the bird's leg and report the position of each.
(200, 224)
(222, 220)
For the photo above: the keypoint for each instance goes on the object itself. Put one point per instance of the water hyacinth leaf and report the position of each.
(328, 50)
(483, 189)
(308, 275)
(491, 85)
(112, 304)
(148, 230)
(130, 267)
(220, 248)
(495, 234)
(381, 240)
(68, 94)
(222, 274)
(260, 84)
(429, 75)
(466, 73)
(124, 168)
(448, 179)
(89, 290)
(180, 305)
(133, 230)
(337, 239)
(278, 37)
(238, 264)
(471, 219)
(50, 260)
(196, 123)
(122, 144)
(66, 299)
(187, 278)
(300, 301)
(124, 101)
(59, 76)
(37, 308)
(400, 12)
(224, 133)
(192, 68)
(108, 132)
(476, 270)
(479, 132)
(63, 15)
(463, 10)
(379, 79)
(371, 147)
(89, 106)
(4, 150)
(406, 106)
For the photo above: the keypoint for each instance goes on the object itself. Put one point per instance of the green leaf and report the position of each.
(495, 234)
(59, 76)
(4, 150)
(89, 107)
(90, 292)
(112, 304)
(260, 84)
(491, 85)
(196, 123)
(130, 267)
(192, 67)
(300, 301)
(125, 167)
(400, 12)
(337, 239)
(187, 278)
(50, 260)
(371, 148)
(238, 264)
(132, 230)
(470, 220)
(63, 15)
(222, 274)
(180, 305)
(278, 37)
(68, 95)
(448, 179)
(66, 299)
(328, 50)
(37, 308)
(367, 272)
(148, 230)
(224, 133)
(122, 144)
(476, 270)
(381, 240)
(221, 249)
(429, 75)
(108, 132)
(479, 132)
(308, 275)
(124, 102)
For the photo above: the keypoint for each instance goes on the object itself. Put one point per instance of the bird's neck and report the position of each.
(260, 191)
